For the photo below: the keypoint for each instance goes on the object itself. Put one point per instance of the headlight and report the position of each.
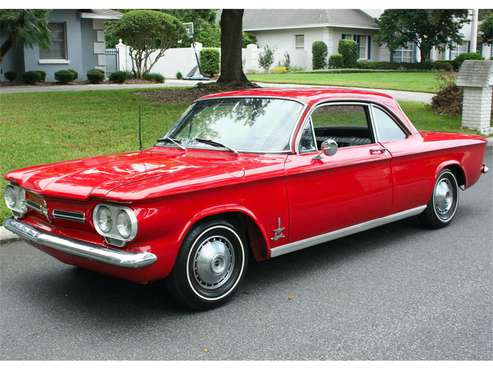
(118, 225)
(15, 199)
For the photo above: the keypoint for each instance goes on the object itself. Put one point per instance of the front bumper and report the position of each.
(92, 252)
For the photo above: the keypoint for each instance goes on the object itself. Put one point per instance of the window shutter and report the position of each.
(369, 47)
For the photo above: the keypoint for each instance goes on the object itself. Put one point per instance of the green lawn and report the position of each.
(46, 127)
(409, 81)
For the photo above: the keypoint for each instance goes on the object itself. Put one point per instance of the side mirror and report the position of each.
(329, 147)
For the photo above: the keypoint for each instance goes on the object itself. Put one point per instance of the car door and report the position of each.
(353, 186)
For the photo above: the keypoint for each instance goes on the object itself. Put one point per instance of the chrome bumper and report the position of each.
(81, 249)
(484, 169)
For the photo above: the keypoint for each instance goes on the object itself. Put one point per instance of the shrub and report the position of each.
(209, 61)
(296, 69)
(443, 65)
(319, 55)
(42, 76)
(350, 53)
(156, 77)
(336, 61)
(95, 75)
(279, 69)
(119, 76)
(179, 76)
(64, 76)
(287, 60)
(75, 73)
(266, 58)
(10, 76)
(31, 77)
(466, 56)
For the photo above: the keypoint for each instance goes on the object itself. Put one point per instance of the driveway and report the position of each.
(399, 95)
(397, 292)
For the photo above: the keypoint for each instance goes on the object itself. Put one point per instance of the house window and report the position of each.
(299, 41)
(58, 47)
(459, 49)
(362, 41)
(404, 54)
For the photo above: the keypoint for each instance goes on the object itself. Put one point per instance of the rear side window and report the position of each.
(387, 128)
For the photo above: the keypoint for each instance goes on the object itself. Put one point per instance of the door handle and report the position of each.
(377, 151)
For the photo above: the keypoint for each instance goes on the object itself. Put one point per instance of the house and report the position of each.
(77, 43)
(294, 31)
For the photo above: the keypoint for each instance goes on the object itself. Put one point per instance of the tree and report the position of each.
(29, 26)
(266, 58)
(486, 29)
(231, 47)
(148, 33)
(427, 28)
(204, 24)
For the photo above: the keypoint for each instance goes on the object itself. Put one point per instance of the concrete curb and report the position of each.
(6, 236)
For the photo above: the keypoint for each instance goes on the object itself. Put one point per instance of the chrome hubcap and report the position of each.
(444, 196)
(213, 262)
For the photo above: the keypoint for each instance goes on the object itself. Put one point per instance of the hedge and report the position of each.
(465, 56)
(319, 55)
(209, 61)
(64, 76)
(349, 51)
(156, 77)
(10, 76)
(95, 75)
(336, 61)
(31, 77)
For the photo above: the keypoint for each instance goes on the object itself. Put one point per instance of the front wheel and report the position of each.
(211, 264)
(442, 206)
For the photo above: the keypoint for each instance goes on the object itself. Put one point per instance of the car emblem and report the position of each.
(37, 203)
(278, 232)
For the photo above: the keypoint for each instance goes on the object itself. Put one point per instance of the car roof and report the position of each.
(308, 95)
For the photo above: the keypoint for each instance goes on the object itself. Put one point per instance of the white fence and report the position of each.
(183, 60)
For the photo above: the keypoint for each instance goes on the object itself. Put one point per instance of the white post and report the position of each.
(476, 76)
(122, 55)
(474, 31)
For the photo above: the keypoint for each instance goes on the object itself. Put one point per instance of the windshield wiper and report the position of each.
(216, 143)
(167, 138)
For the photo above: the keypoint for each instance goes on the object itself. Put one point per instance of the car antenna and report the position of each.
(140, 127)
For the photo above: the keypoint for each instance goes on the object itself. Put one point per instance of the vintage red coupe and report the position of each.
(254, 173)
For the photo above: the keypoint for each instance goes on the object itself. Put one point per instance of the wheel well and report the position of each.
(255, 239)
(459, 174)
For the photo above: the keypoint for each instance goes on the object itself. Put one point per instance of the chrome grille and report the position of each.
(69, 215)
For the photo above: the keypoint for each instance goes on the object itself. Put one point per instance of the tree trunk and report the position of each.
(6, 46)
(231, 46)
(425, 53)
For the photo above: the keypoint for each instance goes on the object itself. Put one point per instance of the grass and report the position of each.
(408, 81)
(48, 127)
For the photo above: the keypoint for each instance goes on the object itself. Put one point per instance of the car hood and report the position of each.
(137, 175)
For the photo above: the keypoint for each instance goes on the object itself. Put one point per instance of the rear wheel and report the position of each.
(442, 206)
(210, 266)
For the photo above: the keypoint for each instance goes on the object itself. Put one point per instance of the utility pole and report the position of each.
(474, 31)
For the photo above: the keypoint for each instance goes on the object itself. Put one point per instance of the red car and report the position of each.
(254, 173)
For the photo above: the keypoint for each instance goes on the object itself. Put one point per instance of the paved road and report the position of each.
(396, 292)
(399, 95)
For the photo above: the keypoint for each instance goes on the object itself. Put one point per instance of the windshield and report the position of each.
(239, 124)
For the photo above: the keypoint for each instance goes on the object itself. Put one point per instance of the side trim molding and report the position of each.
(336, 234)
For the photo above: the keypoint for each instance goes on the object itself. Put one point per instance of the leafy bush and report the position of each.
(443, 65)
(279, 69)
(42, 76)
(75, 73)
(350, 53)
(287, 60)
(31, 77)
(95, 75)
(319, 55)
(209, 61)
(179, 76)
(336, 61)
(120, 76)
(10, 76)
(156, 77)
(296, 69)
(466, 56)
(64, 76)
(266, 58)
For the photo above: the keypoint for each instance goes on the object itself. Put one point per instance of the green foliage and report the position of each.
(336, 61)
(120, 76)
(350, 53)
(179, 76)
(111, 40)
(42, 76)
(156, 77)
(26, 26)
(427, 28)
(443, 65)
(209, 61)
(249, 38)
(64, 76)
(209, 36)
(287, 60)
(31, 77)
(147, 32)
(266, 58)
(204, 24)
(95, 75)
(486, 29)
(74, 72)
(10, 76)
(319, 55)
(459, 59)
